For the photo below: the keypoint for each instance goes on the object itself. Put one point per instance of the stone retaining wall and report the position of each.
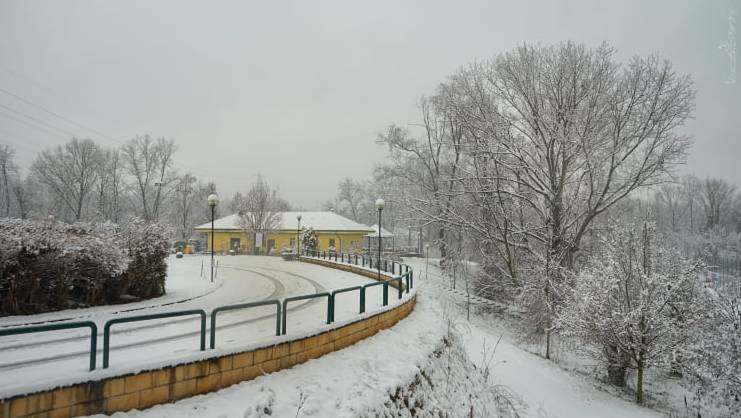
(172, 383)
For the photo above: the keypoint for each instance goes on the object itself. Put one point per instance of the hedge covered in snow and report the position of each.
(49, 265)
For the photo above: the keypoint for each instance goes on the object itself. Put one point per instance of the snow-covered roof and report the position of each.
(385, 233)
(320, 221)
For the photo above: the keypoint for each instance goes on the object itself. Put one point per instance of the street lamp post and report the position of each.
(380, 203)
(213, 201)
(298, 238)
(427, 262)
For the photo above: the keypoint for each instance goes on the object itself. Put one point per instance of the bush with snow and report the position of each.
(309, 239)
(49, 265)
(635, 303)
(147, 248)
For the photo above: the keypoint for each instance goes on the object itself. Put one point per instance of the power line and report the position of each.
(68, 120)
(17, 119)
(53, 113)
(39, 121)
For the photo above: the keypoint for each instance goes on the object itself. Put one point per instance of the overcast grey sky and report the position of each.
(297, 90)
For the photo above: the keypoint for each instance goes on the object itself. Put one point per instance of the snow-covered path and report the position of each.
(36, 361)
(545, 388)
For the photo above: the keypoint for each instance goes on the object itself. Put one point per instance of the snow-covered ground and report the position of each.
(351, 382)
(372, 377)
(541, 385)
(34, 362)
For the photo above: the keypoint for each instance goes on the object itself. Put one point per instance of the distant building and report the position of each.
(333, 231)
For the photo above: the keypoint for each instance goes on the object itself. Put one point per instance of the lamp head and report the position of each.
(380, 204)
(298, 217)
(213, 200)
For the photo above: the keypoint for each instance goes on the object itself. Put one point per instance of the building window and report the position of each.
(331, 242)
(292, 242)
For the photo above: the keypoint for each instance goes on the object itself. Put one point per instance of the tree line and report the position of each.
(82, 180)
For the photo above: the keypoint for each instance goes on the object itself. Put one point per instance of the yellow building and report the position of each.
(333, 231)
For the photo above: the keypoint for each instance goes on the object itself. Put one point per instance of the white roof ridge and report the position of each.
(319, 220)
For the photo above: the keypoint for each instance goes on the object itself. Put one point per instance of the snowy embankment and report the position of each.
(545, 389)
(416, 368)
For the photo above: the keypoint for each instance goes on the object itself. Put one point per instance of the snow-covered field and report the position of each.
(34, 362)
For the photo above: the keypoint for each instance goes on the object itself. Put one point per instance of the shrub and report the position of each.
(147, 247)
(49, 265)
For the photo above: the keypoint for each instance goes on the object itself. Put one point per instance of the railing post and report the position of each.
(385, 293)
(362, 300)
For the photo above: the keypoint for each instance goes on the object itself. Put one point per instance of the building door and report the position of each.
(235, 244)
(271, 245)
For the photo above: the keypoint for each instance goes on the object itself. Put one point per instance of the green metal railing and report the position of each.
(344, 290)
(405, 279)
(385, 292)
(138, 318)
(59, 327)
(244, 306)
(305, 297)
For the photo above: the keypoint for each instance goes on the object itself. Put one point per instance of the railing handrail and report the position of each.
(58, 327)
(149, 317)
(305, 297)
(348, 289)
(244, 306)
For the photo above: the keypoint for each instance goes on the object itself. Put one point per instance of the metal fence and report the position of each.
(405, 275)
(725, 273)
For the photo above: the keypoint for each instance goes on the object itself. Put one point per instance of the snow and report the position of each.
(153, 344)
(320, 221)
(545, 388)
(385, 233)
(406, 368)
(355, 381)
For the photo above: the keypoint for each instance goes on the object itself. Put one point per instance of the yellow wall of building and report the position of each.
(343, 241)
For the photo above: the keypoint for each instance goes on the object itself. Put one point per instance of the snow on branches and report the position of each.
(634, 303)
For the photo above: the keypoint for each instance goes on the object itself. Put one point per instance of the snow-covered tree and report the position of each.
(712, 363)
(634, 303)
(309, 239)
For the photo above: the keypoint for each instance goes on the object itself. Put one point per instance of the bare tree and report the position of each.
(259, 213)
(189, 195)
(70, 172)
(7, 169)
(717, 200)
(428, 163)
(149, 163)
(672, 201)
(551, 137)
(352, 193)
(109, 195)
